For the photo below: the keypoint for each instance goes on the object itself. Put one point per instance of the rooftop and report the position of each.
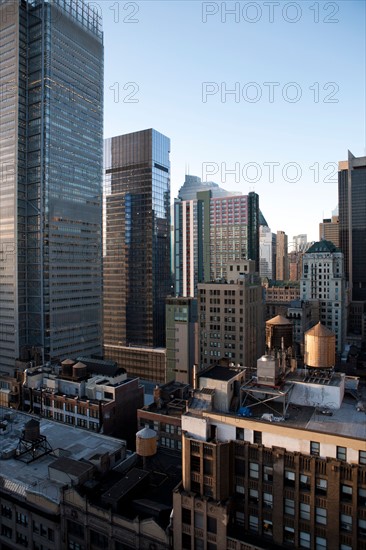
(319, 330)
(279, 320)
(323, 246)
(218, 372)
(66, 441)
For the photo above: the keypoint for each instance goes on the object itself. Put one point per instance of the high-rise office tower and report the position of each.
(231, 317)
(210, 232)
(51, 144)
(182, 338)
(323, 280)
(137, 255)
(193, 185)
(352, 222)
(329, 230)
(267, 249)
(300, 242)
(282, 266)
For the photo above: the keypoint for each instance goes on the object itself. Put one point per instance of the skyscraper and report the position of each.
(352, 222)
(282, 267)
(137, 256)
(267, 249)
(51, 123)
(210, 232)
(323, 280)
(232, 330)
(329, 230)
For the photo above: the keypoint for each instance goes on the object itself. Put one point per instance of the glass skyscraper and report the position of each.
(352, 222)
(136, 264)
(51, 144)
(209, 232)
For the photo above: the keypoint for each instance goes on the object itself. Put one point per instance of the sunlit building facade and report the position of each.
(137, 254)
(51, 143)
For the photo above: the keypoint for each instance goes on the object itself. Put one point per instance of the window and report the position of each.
(239, 467)
(341, 453)
(321, 516)
(6, 532)
(362, 528)
(254, 470)
(362, 458)
(314, 448)
(198, 520)
(195, 464)
(289, 478)
(186, 541)
(267, 474)
(75, 529)
(304, 482)
(207, 467)
(240, 434)
(346, 493)
(75, 545)
(253, 523)
(253, 496)
(211, 524)
(362, 497)
(6, 511)
(304, 511)
(22, 519)
(346, 523)
(320, 543)
(186, 516)
(267, 528)
(289, 507)
(22, 539)
(257, 438)
(97, 539)
(239, 518)
(267, 500)
(321, 486)
(289, 534)
(304, 539)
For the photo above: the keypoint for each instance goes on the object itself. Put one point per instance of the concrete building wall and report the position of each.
(323, 281)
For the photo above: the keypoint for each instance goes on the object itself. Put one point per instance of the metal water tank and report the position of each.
(278, 330)
(146, 442)
(320, 347)
(32, 430)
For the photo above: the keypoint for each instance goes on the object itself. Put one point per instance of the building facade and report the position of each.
(282, 267)
(137, 254)
(51, 142)
(209, 232)
(267, 263)
(251, 483)
(352, 222)
(231, 317)
(323, 280)
(329, 230)
(147, 363)
(104, 402)
(182, 338)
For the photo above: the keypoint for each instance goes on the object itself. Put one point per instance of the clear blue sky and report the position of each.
(169, 52)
